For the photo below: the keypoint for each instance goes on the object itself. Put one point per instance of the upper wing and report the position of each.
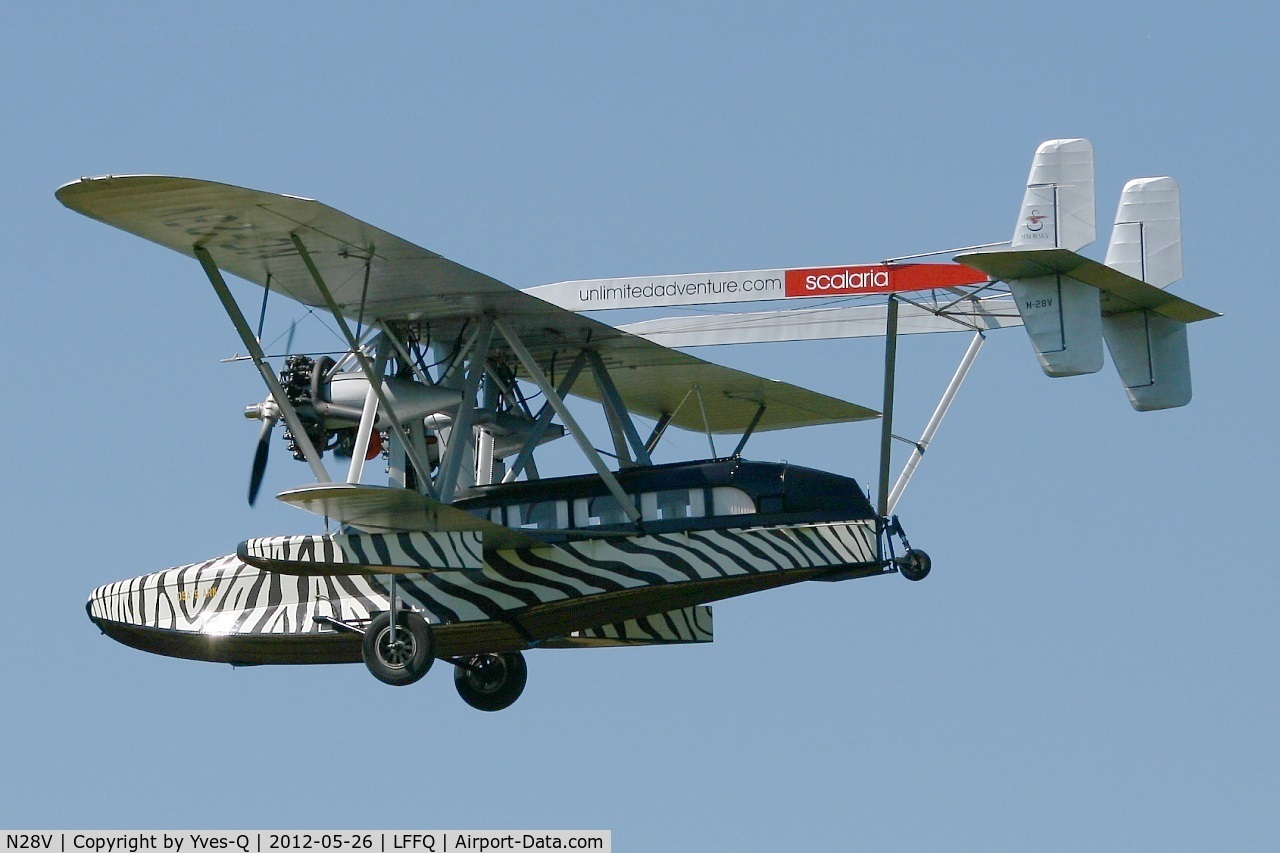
(250, 233)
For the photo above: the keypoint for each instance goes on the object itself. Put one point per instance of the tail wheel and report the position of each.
(915, 565)
(400, 657)
(492, 681)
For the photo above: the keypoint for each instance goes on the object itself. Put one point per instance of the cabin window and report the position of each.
(592, 512)
(541, 515)
(605, 510)
(730, 501)
(680, 503)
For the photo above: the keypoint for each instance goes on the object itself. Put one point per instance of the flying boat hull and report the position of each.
(579, 593)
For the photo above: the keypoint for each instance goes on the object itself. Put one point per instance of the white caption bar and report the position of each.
(258, 841)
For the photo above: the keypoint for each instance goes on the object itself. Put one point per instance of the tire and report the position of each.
(411, 656)
(915, 565)
(492, 681)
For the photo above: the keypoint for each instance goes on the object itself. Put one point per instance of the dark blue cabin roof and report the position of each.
(781, 492)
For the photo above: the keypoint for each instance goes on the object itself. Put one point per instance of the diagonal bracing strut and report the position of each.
(543, 420)
(540, 379)
(616, 412)
(931, 429)
(461, 431)
(375, 381)
(278, 394)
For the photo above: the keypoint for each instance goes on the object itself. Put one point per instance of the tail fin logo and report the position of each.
(1036, 220)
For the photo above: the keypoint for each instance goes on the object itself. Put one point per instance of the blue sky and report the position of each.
(1091, 663)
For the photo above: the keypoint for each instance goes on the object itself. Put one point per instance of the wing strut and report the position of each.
(375, 381)
(460, 432)
(935, 421)
(886, 419)
(616, 410)
(544, 419)
(697, 389)
(751, 427)
(368, 416)
(540, 379)
(404, 353)
(658, 429)
(260, 360)
(262, 314)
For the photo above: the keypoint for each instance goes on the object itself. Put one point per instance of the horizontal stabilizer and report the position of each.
(1120, 292)
(686, 625)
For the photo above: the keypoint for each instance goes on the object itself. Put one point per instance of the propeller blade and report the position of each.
(260, 459)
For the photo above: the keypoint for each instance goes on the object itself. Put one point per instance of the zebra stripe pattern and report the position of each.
(686, 625)
(228, 596)
(400, 552)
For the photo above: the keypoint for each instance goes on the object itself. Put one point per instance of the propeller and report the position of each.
(268, 412)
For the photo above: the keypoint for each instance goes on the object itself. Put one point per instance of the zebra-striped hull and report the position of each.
(686, 625)
(226, 610)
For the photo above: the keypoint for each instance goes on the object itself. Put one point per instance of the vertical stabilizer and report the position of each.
(1149, 350)
(1146, 241)
(1152, 358)
(1058, 208)
(1061, 315)
(1063, 319)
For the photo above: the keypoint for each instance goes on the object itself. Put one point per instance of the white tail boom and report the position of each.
(1069, 304)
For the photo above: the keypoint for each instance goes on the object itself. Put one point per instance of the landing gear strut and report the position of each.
(401, 654)
(491, 681)
(914, 564)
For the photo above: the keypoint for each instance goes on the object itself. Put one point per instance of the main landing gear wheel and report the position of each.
(406, 657)
(491, 682)
(915, 565)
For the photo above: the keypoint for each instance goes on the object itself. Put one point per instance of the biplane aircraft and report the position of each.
(468, 554)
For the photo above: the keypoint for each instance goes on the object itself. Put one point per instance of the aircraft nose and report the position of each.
(95, 606)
